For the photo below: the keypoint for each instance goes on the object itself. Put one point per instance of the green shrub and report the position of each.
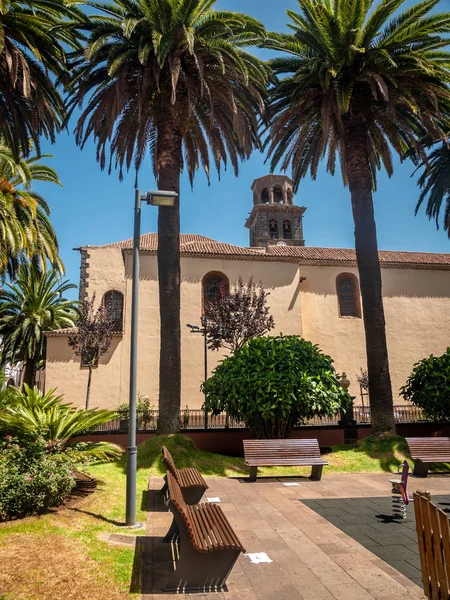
(428, 386)
(273, 384)
(34, 415)
(144, 411)
(31, 480)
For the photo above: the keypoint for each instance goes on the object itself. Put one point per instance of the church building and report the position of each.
(314, 293)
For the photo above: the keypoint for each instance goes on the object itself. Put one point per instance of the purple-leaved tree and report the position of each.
(92, 338)
(237, 316)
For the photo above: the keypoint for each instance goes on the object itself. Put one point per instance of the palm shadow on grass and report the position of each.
(185, 454)
(385, 453)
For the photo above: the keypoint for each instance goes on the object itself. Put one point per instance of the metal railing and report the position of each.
(195, 419)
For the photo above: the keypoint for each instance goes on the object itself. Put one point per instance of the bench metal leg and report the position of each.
(316, 472)
(200, 571)
(193, 495)
(253, 473)
(172, 533)
(421, 468)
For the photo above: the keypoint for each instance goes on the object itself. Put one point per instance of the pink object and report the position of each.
(403, 485)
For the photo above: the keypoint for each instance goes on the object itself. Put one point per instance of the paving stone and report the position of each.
(351, 591)
(305, 531)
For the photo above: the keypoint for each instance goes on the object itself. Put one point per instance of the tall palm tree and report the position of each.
(172, 79)
(30, 306)
(33, 38)
(357, 84)
(435, 184)
(25, 230)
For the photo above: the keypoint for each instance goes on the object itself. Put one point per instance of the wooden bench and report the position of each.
(425, 451)
(433, 537)
(190, 480)
(283, 453)
(208, 546)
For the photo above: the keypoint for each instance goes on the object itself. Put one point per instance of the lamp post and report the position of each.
(202, 330)
(156, 198)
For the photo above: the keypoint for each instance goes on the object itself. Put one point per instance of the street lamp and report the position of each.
(156, 198)
(202, 330)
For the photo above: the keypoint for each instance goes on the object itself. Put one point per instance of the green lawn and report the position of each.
(75, 558)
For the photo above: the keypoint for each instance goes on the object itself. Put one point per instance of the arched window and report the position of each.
(265, 196)
(214, 285)
(112, 305)
(278, 195)
(347, 289)
(273, 229)
(287, 230)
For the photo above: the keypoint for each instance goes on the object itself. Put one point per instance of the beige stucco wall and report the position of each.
(417, 311)
(111, 379)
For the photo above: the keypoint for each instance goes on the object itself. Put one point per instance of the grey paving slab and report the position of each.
(369, 521)
(313, 556)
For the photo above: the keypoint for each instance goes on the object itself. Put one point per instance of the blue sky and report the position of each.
(96, 208)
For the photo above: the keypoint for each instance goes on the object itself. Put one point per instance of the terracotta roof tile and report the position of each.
(204, 247)
(149, 241)
(198, 245)
(307, 254)
(60, 332)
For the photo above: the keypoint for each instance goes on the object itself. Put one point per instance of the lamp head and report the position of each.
(161, 198)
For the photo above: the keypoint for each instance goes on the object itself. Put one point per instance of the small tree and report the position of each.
(428, 386)
(273, 384)
(92, 338)
(237, 316)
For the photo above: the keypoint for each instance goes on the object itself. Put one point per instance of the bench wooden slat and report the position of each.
(283, 453)
(425, 451)
(189, 479)
(208, 527)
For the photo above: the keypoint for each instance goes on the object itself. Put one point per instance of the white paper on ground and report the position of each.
(212, 499)
(290, 484)
(259, 557)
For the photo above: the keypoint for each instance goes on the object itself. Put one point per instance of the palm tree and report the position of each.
(33, 36)
(30, 306)
(435, 184)
(358, 84)
(31, 414)
(172, 80)
(25, 230)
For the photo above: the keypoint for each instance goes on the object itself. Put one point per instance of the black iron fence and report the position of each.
(195, 419)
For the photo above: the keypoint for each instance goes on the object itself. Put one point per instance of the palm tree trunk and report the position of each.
(169, 168)
(30, 372)
(88, 389)
(360, 184)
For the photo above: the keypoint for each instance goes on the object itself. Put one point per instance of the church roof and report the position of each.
(200, 246)
(310, 255)
(192, 244)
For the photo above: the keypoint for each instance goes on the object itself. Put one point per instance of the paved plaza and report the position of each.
(312, 558)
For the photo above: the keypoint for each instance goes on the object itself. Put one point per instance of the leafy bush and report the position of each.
(34, 415)
(428, 386)
(274, 383)
(31, 480)
(144, 411)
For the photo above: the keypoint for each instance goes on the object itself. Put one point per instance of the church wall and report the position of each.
(105, 271)
(110, 380)
(417, 311)
(280, 279)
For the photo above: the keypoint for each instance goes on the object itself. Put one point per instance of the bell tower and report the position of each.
(274, 218)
